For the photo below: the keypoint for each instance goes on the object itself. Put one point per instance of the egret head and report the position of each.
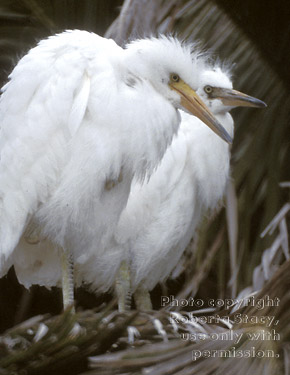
(173, 69)
(216, 90)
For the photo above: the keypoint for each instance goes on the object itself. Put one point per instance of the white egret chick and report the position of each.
(162, 215)
(80, 117)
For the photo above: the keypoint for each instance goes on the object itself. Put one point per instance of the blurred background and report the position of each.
(228, 256)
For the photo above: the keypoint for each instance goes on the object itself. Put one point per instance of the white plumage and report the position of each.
(80, 117)
(162, 215)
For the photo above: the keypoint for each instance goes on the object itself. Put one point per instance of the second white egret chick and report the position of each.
(162, 215)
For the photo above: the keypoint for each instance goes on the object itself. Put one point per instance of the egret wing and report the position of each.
(41, 109)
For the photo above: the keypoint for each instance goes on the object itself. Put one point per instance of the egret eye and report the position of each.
(174, 77)
(208, 89)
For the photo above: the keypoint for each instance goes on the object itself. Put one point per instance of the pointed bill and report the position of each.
(235, 98)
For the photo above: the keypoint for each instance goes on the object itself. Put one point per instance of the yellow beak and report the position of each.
(193, 103)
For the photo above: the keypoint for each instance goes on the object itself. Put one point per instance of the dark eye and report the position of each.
(174, 77)
(208, 89)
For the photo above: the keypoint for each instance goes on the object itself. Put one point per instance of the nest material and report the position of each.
(156, 342)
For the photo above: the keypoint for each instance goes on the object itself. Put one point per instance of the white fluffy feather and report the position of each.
(162, 215)
(77, 113)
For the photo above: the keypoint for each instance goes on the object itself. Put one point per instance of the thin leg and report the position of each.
(142, 299)
(123, 287)
(67, 279)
